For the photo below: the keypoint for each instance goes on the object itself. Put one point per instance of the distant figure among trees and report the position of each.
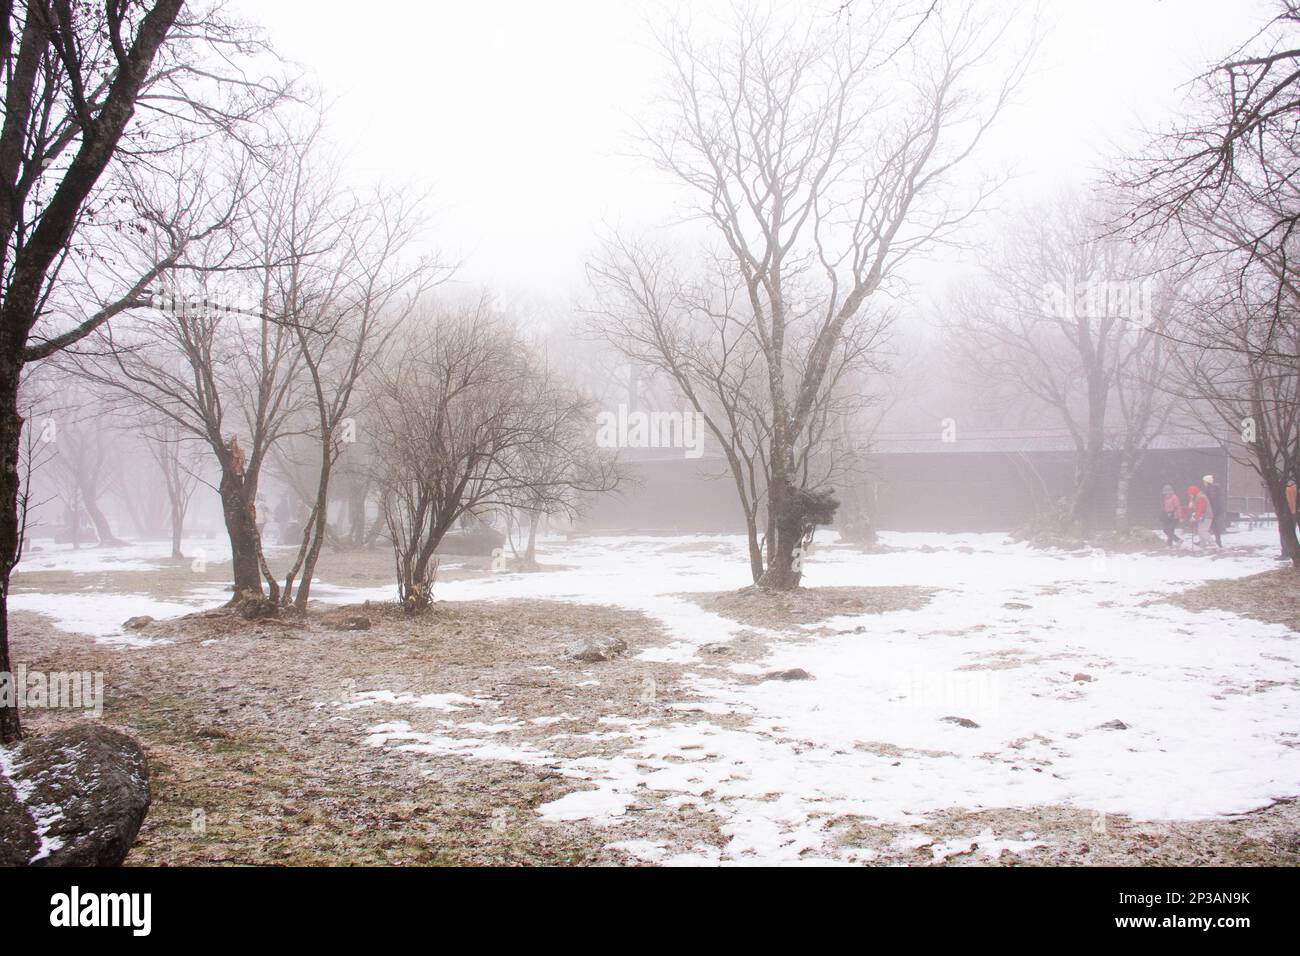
(1202, 514)
(1171, 516)
(1219, 518)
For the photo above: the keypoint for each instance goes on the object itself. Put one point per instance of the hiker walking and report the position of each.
(1220, 514)
(1171, 516)
(1202, 514)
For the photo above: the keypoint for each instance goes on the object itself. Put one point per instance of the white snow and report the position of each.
(100, 613)
(989, 846)
(43, 816)
(447, 702)
(45, 555)
(1210, 701)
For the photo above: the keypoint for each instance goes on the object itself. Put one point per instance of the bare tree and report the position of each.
(85, 463)
(369, 288)
(699, 334)
(819, 187)
(1223, 180)
(1070, 317)
(78, 78)
(1238, 145)
(179, 466)
(461, 417)
(213, 344)
(1236, 371)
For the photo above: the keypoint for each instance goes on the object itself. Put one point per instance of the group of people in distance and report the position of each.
(1204, 512)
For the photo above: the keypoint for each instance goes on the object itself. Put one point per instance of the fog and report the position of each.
(728, 432)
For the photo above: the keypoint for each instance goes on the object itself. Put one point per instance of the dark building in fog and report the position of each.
(999, 481)
(980, 481)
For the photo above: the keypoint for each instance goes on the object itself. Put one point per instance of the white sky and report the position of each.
(516, 113)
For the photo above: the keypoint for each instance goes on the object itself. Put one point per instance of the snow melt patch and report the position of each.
(101, 614)
(989, 846)
(443, 702)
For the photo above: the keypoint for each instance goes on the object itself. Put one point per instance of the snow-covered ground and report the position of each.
(1004, 691)
(1030, 679)
(100, 611)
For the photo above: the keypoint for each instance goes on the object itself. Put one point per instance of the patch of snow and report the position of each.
(599, 806)
(43, 816)
(444, 702)
(551, 719)
(100, 614)
(989, 846)
(644, 850)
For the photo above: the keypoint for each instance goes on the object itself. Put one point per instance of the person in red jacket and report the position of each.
(1172, 515)
(1202, 513)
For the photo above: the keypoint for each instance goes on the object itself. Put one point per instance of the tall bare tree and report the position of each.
(1233, 381)
(698, 334)
(1223, 180)
(87, 87)
(347, 306)
(819, 186)
(219, 363)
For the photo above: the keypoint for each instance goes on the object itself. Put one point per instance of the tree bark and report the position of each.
(241, 526)
(1286, 521)
(314, 534)
(782, 572)
(357, 537)
(178, 528)
(530, 553)
(755, 549)
(1088, 492)
(11, 426)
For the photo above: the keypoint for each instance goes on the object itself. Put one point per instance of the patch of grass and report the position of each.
(765, 607)
(1273, 597)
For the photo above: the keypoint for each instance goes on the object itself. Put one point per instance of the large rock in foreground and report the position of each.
(75, 797)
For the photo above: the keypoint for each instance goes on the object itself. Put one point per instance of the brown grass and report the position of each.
(1273, 597)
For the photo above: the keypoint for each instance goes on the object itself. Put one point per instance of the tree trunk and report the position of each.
(755, 549)
(11, 426)
(530, 553)
(316, 532)
(102, 529)
(1088, 492)
(357, 513)
(783, 572)
(1286, 521)
(178, 528)
(1121, 492)
(241, 526)
(72, 513)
